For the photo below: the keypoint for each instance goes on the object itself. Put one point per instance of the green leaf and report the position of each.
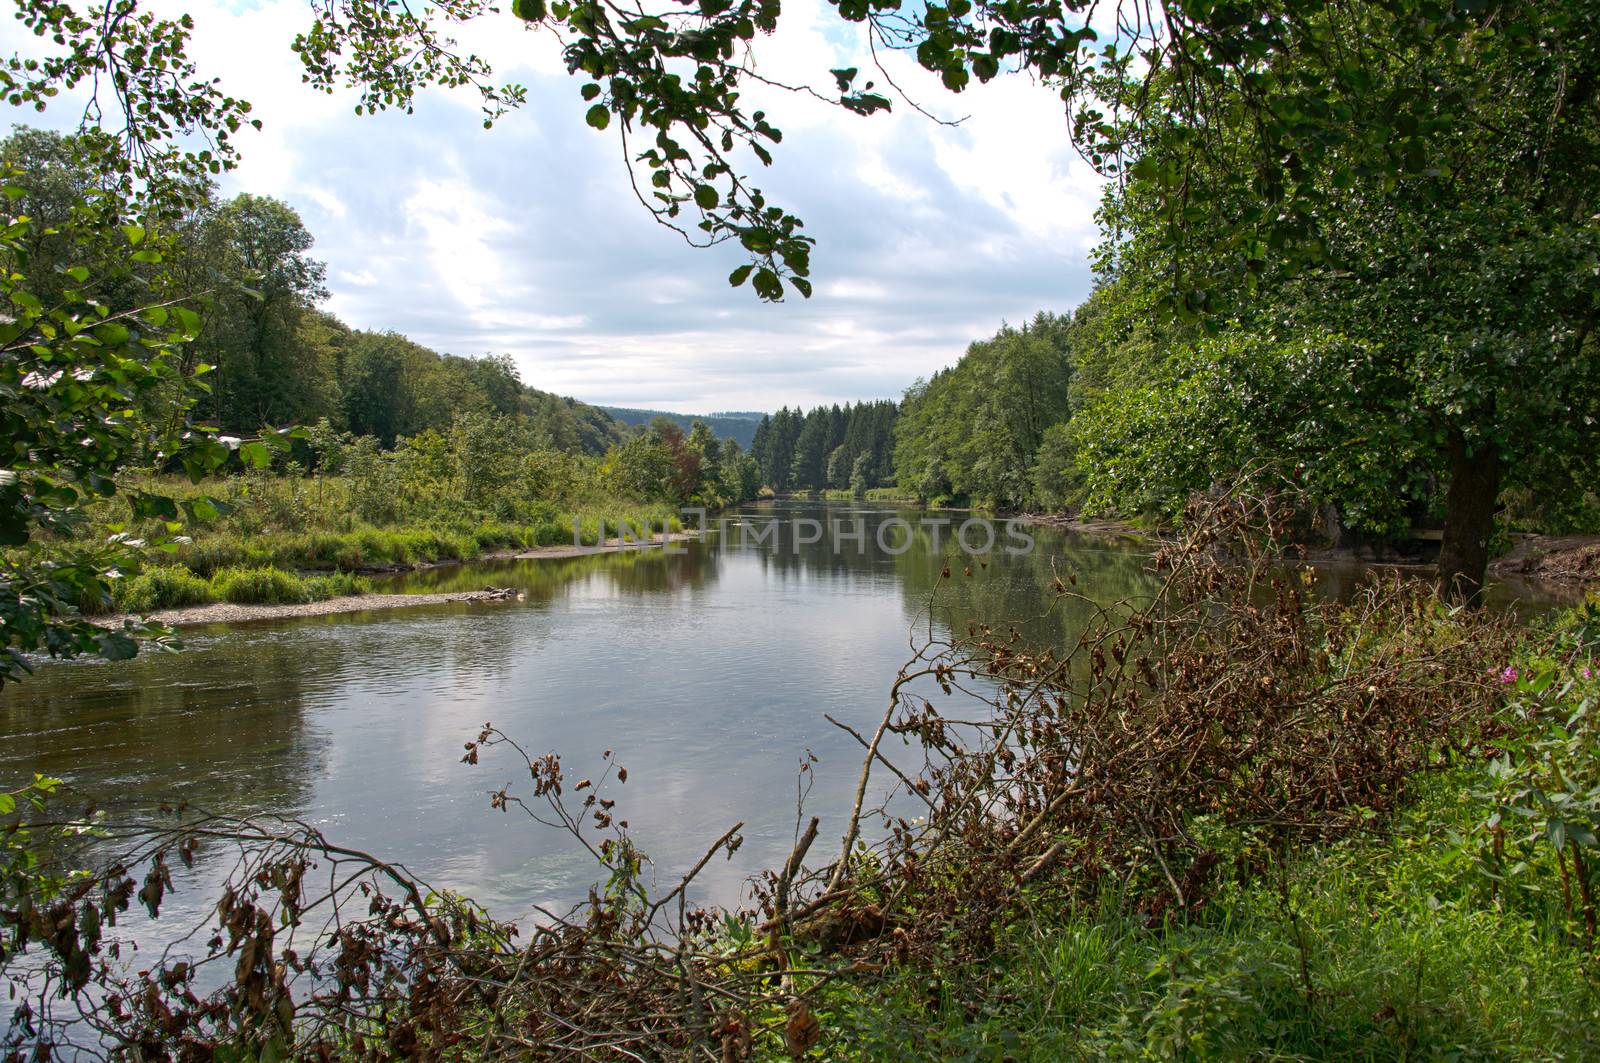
(767, 285)
(8, 804)
(740, 275)
(255, 454)
(188, 320)
(134, 233)
(598, 116)
(529, 10)
(706, 197)
(115, 646)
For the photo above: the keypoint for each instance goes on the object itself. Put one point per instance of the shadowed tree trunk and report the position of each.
(1468, 517)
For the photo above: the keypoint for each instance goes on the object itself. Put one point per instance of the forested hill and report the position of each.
(275, 358)
(740, 427)
(383, 385)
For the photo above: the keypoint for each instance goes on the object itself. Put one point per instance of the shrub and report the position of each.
(207, 557)
(260, 586)
(335, 585)
(551, 533)
(162, 588)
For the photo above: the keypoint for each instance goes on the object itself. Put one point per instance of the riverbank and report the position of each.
(226, 612)
(1342, 867)
(1082, 526)
(1571, 559)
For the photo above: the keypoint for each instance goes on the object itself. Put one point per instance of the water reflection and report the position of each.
(707, 669)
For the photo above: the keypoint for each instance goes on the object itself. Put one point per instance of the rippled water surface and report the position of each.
(707, 671)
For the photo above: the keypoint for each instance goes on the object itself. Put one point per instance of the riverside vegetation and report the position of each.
(1226, 821)
(1349, 251)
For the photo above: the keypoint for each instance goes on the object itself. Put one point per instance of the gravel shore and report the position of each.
(228, 613)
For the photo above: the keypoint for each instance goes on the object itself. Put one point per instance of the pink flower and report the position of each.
(1588, 673)
(1508, 676)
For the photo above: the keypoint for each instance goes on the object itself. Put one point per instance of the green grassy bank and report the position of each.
(274, 539)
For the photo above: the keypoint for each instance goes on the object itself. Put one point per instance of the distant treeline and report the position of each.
(739, 427)
(838, 447)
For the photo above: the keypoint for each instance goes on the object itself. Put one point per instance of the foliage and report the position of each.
(164, 587)
(176, 587)
(972, 432)
(1183, 769)
(88, 388)
(1540, 841)
(1311, 413)
(661, 464)
(1468, 295)
(1406, 954)
(813, 451)
(266, 586)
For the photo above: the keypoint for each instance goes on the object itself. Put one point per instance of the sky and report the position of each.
(526, 239)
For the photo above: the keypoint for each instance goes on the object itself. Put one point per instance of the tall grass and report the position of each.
(299, 524)
(176, 587)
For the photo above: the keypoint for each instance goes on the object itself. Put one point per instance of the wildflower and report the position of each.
(1588, 673)
(1508, 676)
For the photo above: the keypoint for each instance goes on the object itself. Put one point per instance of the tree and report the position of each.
(741, 476)
(708, 450)
(859, 476)
(265, 372)
(808, 468)
(973, 430)
(1445, 192)
(88, 392)
(377, 396)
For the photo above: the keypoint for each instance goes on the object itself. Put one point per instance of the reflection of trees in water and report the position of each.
(1002, 587)
(660, 572)
(220, 727)
(688, 565)
(1017, 589)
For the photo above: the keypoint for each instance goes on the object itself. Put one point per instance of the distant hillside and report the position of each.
(740, 426)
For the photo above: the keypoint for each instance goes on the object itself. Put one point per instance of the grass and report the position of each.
(312, 525)
(175, 587)
(286, 540)
(1385, 948)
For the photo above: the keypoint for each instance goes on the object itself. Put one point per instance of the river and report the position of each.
(706, 670)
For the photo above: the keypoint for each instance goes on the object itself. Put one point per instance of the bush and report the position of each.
(260, 586)
(206, 557)
(335, 585)
(552, 533)
(162, 588)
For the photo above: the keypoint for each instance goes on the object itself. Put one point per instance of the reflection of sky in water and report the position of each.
(708, 672)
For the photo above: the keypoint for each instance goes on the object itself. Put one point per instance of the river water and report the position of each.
(706, 671)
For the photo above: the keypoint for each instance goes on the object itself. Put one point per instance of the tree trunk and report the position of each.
(1468, 518)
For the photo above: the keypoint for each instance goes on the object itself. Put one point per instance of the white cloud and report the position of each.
(527, 239)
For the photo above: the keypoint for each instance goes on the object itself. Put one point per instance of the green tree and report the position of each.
(267, 370)
(972, 430)
(1438, 206)
(87, 393)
